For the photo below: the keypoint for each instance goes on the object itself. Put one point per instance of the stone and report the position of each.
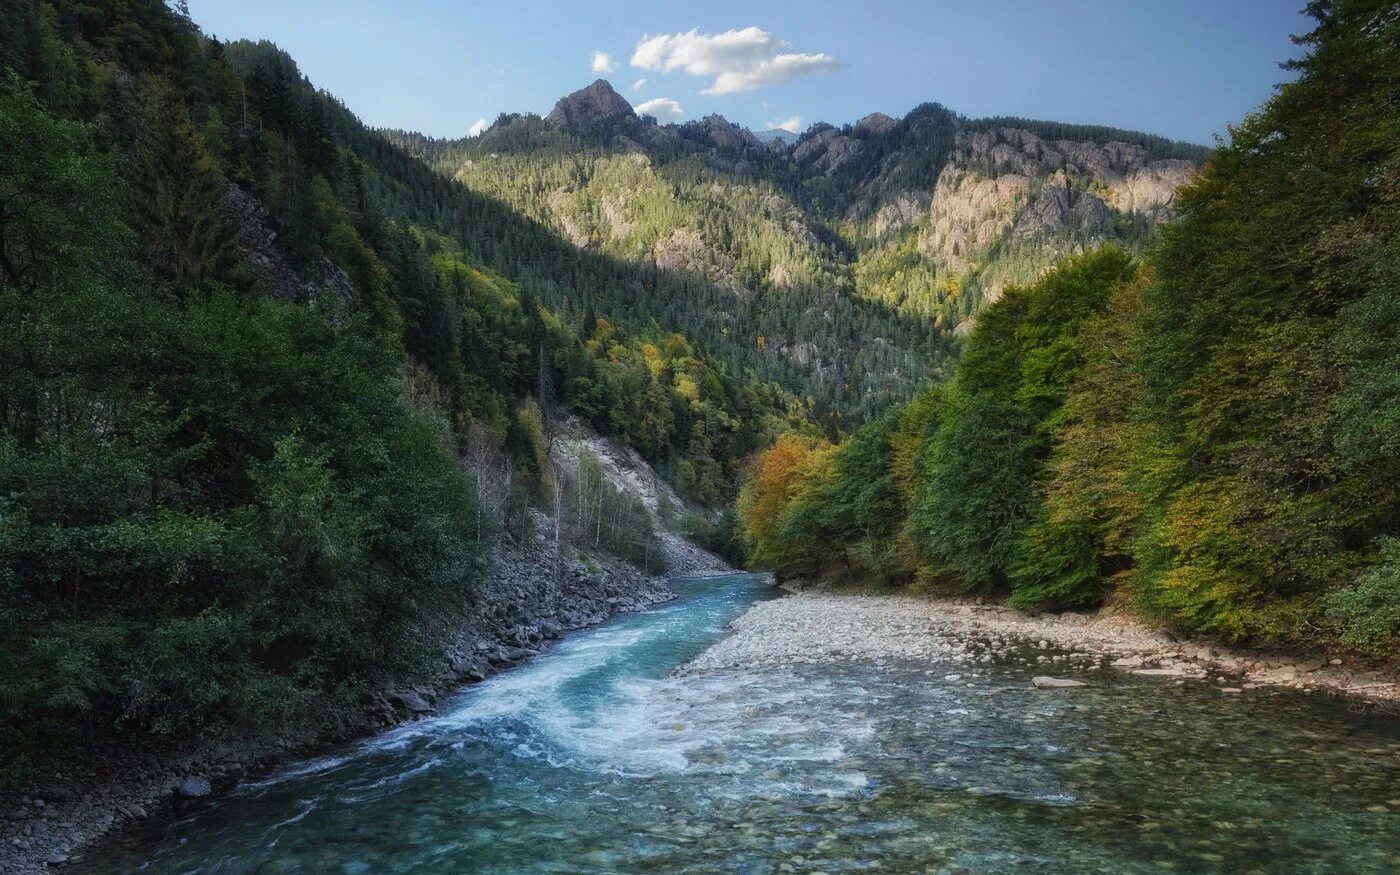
(1159, 672)
(1231, 690)
(194, 786)
(1127, 662)
(1048, 683)
(409, 701)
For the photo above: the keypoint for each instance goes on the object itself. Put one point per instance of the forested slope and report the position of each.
(1209, 431)
(252, 359)
(924, 217)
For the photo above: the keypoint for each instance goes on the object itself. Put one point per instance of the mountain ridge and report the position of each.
(930, 215)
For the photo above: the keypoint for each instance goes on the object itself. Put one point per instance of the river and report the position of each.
(597, 757)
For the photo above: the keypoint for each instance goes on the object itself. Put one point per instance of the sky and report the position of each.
(1181, 68)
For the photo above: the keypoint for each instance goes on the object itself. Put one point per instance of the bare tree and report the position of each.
(492, 473)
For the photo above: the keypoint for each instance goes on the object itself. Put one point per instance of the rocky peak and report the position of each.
(590, 106)
(826, 150)
(876, 123)
(727, 135)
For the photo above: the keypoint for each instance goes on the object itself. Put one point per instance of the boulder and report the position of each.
(409, 701)
(1048, 683)
(194, 786)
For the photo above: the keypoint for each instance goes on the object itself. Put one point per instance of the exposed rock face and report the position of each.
(901, 211)
(876, 123)
(727, 135)
(1009, 184)
(685, 250)
(970, 213)
(1060, 208)
(276, 277)
(1131, 183)
(826, 150)
(589, 107)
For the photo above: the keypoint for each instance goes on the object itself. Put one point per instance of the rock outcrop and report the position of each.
(876, 123)
(589, 107)
(901, 211)
(685, 250)
(1009, 184)
(725, 134)
(269, 263)
(826, 150)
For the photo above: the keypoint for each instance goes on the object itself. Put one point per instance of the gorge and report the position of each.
(374, 501)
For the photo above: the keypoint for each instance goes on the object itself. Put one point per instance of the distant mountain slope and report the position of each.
(929, 215)
(780, 136)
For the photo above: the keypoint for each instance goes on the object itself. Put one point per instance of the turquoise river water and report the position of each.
(597, 757)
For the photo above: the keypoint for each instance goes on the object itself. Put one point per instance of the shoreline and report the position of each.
(87, 796)
(811, 626)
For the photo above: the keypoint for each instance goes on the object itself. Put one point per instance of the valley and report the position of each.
(594, 491)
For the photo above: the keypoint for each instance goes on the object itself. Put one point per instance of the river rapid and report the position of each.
(598, 756)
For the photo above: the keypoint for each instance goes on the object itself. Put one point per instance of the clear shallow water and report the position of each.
(594, 758)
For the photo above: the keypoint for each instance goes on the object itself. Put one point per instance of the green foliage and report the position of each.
(1367, 615)
(230, 491)
(980, 489)
(1213, 434)
(1079, 543)
(1265, 360)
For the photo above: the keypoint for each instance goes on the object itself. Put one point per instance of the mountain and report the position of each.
(588, 107)
(928, 216)
(782, 137)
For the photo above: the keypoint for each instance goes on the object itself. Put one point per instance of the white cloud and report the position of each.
(478, 127)
(603, 63)
(663, 109)
(791, 124)
(739, 60)
(637, 86)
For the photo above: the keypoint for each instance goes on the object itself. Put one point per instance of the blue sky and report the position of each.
(1182, 68)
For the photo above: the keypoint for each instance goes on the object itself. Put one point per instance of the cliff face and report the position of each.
(1008, 187)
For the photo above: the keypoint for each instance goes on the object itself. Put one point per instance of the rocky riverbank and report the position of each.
(822, 627)
(524, 605)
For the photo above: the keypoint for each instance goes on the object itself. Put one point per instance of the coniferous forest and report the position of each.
(246, 343)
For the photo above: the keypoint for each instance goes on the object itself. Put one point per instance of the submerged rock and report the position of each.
(1048, 683)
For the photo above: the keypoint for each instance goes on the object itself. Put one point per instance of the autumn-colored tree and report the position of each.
(776, 480)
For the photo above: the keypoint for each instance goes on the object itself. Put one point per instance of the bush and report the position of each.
(1367, 615)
